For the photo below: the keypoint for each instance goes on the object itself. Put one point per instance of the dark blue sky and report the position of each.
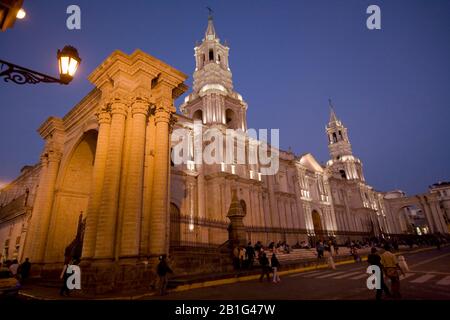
(391, 87)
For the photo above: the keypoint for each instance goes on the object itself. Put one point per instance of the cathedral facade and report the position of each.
(109, 162)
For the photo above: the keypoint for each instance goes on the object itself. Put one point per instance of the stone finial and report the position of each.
(235, 209)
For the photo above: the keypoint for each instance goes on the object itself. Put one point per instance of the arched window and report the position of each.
(211, 54)
(334, 137)
(198, 115)
(230, 118)
(343, 175)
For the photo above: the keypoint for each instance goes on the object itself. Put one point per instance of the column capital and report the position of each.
(103, 116)
(140, 105)
(172, 121)
(165, 103)
(162, 115)
(50, 155)
(118, 106)
(54, 155)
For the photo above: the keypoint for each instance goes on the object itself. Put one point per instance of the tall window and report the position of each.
(334, 137)
(211, 55)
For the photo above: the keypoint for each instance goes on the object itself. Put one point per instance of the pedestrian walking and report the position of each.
(275, 267)
(242, 257)
(354, 253)
(265, 268)
(331, 246)
(24, 269)
(162, 270)
(330, 261)
(64, 291)
(391, 270)
(374, 259)
(319, 249)
(236, 258)
(402, 264)
(13, 268)
(250, 255)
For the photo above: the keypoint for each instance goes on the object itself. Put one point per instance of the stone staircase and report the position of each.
(311, 254)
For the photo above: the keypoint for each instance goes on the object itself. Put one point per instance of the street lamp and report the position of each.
(68, 62)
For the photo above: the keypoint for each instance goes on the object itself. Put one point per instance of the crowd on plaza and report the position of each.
(381, 254)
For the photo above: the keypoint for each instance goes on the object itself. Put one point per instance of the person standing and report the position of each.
(258, 248)
(25, 269)
(242, 257)
(13, 268)
(275, 267)
(236, 258)
(319, 249)
(391, 270)
(162, 270)
(374, 259)
(64, 291)
(250, 255)
(265, 268)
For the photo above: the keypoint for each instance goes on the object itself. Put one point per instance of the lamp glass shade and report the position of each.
(68, 62)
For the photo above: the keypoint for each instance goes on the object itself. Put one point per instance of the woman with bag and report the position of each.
(391, 270)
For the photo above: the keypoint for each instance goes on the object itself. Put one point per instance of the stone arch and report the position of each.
(198, 115)
(72, 195)
(407, 220)
(231, 119)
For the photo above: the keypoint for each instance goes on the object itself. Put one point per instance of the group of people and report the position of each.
(389, 267)
(269, 266)
(244, 257)
(19, 271)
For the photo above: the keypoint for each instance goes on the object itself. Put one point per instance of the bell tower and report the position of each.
(342, 163)
(338, 142)
(213, 100)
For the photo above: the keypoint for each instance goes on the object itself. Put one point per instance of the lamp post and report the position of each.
(68, 62)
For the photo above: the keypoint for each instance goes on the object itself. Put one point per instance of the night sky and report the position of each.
(390, 87)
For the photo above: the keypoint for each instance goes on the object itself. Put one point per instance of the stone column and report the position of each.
(40, 218)
(158, 221)
(130, 231)
(428, 214)
(148, 185)
(104, 121)
(107, 220)
(438, 218)
(201, 193)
